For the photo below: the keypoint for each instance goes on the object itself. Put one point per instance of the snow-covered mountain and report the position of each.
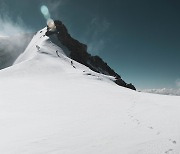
(52, 104)
(12, 47)
(78, 52)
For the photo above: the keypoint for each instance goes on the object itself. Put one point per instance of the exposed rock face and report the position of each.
(78, 52)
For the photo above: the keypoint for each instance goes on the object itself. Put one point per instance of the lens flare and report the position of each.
(45, 12)
(51, 24)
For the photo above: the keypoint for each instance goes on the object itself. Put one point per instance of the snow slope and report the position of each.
(11, 47)
(50, 105)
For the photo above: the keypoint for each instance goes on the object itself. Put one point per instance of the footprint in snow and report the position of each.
(173, 141)
(169, 151)
(136, 120)
(150, 127)
(158, 133)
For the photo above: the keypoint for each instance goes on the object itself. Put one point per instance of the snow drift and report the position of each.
(52, 104)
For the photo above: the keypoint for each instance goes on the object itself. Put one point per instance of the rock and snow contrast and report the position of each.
(51, 104)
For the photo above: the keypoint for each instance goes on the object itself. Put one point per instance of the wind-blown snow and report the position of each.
(11, 47)
(51, 105)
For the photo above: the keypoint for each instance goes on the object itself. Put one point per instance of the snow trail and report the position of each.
(48, 106)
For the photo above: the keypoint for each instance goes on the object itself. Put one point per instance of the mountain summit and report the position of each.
(78, 52)
(52, 104)
(58, 34)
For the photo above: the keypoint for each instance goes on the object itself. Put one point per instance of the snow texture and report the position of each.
(50, 104)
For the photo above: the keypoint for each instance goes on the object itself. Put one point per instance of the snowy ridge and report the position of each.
(52, 104)
(31, 50)
(41, 45)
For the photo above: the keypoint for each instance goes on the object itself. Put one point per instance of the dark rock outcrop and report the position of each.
(78, 52)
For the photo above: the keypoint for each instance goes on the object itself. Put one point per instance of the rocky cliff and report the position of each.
(78, 52)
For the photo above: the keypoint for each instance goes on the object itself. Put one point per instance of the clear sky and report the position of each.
(140, 39)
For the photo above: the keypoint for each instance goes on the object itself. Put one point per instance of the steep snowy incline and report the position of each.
(50, 104)
(39, 43)
(11, 47)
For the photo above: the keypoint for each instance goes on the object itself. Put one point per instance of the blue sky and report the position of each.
(138, 39)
